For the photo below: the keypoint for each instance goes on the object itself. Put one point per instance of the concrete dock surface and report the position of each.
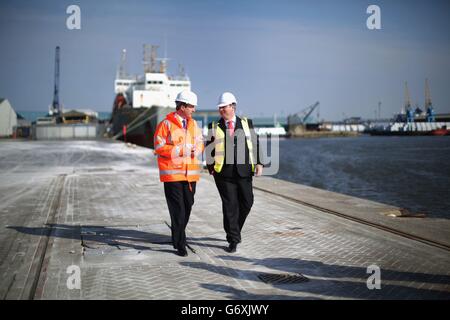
(88, 220)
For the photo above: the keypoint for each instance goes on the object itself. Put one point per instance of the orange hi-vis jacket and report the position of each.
(173, 145)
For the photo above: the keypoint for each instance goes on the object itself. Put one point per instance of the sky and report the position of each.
(277, 57)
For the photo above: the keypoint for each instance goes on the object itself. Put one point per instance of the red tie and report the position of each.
(230, 128)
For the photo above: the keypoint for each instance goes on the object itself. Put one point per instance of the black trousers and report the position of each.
(237, 200)
(180, 200)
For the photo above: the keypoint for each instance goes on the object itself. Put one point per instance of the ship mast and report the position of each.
(122, 72)
(163, 65)
(150, 58)
(163, 61)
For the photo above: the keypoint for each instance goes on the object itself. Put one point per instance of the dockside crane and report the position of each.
(55, 109)
(408, 109)
(302, 116)
(428, 103)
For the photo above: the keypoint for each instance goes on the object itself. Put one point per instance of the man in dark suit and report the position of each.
(233, 159)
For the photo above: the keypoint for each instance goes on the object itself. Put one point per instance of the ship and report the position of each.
(414, 121)
(142, 101)
(412, 129)
(411, 124)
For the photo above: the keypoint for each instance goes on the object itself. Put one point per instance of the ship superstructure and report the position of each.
(142, 101)
(154, 87)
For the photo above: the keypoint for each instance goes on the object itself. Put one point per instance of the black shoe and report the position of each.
(182, 252)
(232, 247)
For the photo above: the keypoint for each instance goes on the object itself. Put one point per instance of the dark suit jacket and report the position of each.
(238, 164)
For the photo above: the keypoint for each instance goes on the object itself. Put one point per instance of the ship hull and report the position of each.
(440, 132)
(412, 129)
(140, 124)
(409, 133)
(399, 133)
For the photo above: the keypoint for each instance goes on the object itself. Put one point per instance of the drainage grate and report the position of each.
(286, 278)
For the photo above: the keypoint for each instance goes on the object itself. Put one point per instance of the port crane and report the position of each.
(302, 116)
(428, 104)
(408, 108)
(55, 108)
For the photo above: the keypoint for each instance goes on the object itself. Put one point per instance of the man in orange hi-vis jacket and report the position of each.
(178, 142)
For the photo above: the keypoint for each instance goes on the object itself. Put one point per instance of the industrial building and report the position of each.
(8, 118)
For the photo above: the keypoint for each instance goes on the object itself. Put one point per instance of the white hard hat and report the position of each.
(225, 99)
(188, 97)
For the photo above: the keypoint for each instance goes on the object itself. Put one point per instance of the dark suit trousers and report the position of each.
(180, 201)
(237, 200)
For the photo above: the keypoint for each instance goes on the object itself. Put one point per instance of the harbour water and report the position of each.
(408, 172)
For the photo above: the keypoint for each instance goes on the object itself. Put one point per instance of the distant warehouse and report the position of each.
(8, 118)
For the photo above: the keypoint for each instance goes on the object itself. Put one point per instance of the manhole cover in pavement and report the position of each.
(284, 278)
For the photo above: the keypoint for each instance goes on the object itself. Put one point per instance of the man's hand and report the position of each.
(259, 170)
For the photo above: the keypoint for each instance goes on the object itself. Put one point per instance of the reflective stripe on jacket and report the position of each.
(173, 146)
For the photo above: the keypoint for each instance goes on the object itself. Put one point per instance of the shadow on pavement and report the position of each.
(330, 281)
(239, 294)
(91, 235)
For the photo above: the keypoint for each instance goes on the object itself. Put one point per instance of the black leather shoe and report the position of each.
(182, 252)
(232, 247)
